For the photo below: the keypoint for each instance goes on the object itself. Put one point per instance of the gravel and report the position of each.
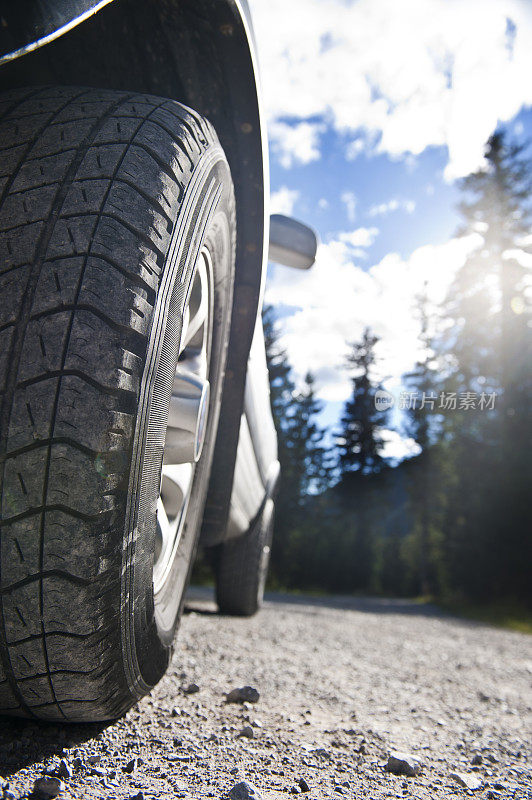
(343, 683)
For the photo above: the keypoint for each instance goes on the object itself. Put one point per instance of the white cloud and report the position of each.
(295, 143)
(360, 237)
(337, 299)
(350, 201)
(398, 76)
(283, 201)
(381, 209)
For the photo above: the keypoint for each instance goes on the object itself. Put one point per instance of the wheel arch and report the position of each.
(201, 53)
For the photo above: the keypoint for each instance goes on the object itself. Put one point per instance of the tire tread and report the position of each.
(71, 156)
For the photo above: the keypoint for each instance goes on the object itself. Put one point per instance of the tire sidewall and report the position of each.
(210, 224)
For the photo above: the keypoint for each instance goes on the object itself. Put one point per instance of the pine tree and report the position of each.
(487, 348)
(487, 302)
(360, 442)
(360, 445)
(308, 451)
(422, 424)
(303, 458)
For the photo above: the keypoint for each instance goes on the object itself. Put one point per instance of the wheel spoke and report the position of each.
(198, 308)
(187, 418)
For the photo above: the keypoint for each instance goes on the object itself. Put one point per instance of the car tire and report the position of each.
(117, 220)
(242, 567)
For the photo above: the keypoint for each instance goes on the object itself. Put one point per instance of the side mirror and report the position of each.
(291, 243)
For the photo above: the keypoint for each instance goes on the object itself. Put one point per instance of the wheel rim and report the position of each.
(187, 420)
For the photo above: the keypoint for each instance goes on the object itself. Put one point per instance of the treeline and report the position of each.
(454, 520)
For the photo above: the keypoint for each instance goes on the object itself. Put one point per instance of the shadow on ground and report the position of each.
(200, 600)
(24, 742)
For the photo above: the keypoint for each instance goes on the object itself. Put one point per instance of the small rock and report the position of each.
(138, 796)
(94, 759)
(295, 790)
(47, 787)
(466, 780)
(65, 770)
(233, 771)
(303, 785)
(192, 688)
(476, 760)
(176, 712)
(403, 764)
(247, 732)
(321, 752)
(245, 694)
(77, 763)
(244, 791)
(130, 767)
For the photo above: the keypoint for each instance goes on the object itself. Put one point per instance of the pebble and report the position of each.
(244, 791)
(47, 787)
(476, 760)
(466, 780)
(65, 770)
(130, 767)
(247, 732)
(303, 785)
(403, 764)
(245, 694)
(192, 688)
(138, 796)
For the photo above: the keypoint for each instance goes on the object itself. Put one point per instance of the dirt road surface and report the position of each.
(342, 683)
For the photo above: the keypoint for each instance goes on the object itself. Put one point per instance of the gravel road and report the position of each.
(342, 683)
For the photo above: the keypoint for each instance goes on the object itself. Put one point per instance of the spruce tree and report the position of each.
(360, 445)
(422, 423)
(302, 456)
(360, 441)
(487, 347)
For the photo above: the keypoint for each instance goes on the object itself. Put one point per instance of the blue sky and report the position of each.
(375, 109)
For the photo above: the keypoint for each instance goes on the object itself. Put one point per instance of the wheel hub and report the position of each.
(187, 419)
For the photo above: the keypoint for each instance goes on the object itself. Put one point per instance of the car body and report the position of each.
(193, 63)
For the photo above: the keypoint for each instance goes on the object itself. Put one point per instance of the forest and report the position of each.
(452, 522)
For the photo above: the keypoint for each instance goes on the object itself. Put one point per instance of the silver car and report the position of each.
(135, 418)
